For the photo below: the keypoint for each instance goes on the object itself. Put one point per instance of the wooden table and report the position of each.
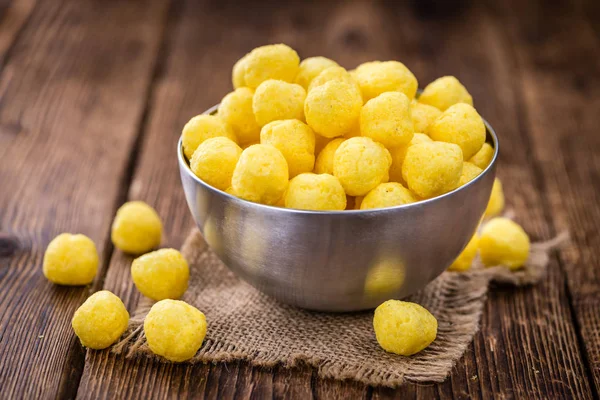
(93, 96)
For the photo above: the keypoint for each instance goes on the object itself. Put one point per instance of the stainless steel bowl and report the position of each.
(339, 260)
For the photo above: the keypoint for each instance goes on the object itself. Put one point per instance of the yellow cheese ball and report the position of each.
(238, 72)
(236, 111)
(174, 330)
(136, 228)
(386, 119)
(261, 174)
(460, 124)
(423, 115)
(324, 163)
(214, 161)
(465, 259)
(444, 92)
(387, 195)
(469, 172)
(385, 278)
(484, 156)
(161, 274)
(496, 202)
(399, 153)
(361, 164)
(378, 77)
(336, 73)
(432, 169)
(504, 242)
(404, 328)
(333, 108)
(295, 140)
(70, 260)
(203, 127)
(276, 61)
(276, 100)
(310, 68)
(315, 192)
(100, 320)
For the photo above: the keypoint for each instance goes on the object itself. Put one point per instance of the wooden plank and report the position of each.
(561, 91)
(72, 92)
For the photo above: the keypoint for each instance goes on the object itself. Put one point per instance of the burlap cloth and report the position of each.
(244, 324)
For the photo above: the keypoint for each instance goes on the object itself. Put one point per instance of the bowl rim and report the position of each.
(184, 166)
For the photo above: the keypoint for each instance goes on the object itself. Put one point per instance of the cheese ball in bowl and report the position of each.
(333, 108)
(388, 194)
(377, 77)
(276, 100)
(460, 124)
(214, 161)
(275, 61)
(310, 68)
(295, 140)
(445, 92)
(203, 127)
(236, 111)
(386, 119)
(315, 192)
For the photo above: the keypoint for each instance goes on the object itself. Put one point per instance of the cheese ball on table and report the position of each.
(324, 163)
(214, 161)
(71, 260)
(470, 172)
(174, 330)
(336, 73)
(276, 100)
(444, 92)
(504, 242)
(399, 153)
(432, 169)
(100, 320)
(310, 68)
(484, 156)
(137, 228)
(161, 274)
(386, 119)
(315, 192)
(275, 61)
(423, 115)
(333, 108)
(378, 77)
(203, 127)
(496, 202)
(361, 164)
(236, 111)
(460, 124)
(295, 140)
(387, 195)
(261, 175)
(465, 259)
(404, 328)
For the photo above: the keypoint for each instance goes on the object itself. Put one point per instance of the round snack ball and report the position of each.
(70, 260)
(136, 228)
(484, 156)
(275, 61)
(432, 169)
(336, 73)
(200, 128)
(100, 320)
(333, 108)
(399, 153)
(161, 274)
(423, 115)
(461, 125)
(503, 242)
(315, 192)
(261, 174)
(469, 172)
(310, 68)
(496, 202)
(238, 72)
(386, 119)
(378, 77)
(361, 164)
(236, 110)
(174, 330)
(324, 163)
(465, 259)
(214, 161)
(387, 195)
(295, 140)
(276, 100)
(444, 92)
(404, 328)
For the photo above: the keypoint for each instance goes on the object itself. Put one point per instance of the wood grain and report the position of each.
(72, 93)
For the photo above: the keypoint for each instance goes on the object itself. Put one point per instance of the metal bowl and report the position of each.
(338, 260)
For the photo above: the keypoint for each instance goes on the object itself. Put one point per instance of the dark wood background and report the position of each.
(93, 96)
